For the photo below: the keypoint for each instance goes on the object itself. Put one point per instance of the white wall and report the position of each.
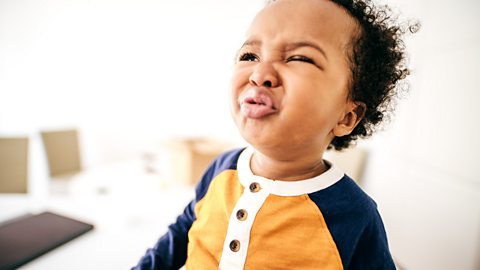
(130, 73)
(423, 169)
(125, 72)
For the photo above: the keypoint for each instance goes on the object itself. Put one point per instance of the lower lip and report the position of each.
(256, 111)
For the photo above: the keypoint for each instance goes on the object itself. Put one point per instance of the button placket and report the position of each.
(240, 224)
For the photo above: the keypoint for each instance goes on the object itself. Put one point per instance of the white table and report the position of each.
(129, 208)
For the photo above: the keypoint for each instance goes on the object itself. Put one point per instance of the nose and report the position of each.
(264, 75)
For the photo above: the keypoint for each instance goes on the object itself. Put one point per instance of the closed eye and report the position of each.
(249, 57)
(301, 58)
(305, 59)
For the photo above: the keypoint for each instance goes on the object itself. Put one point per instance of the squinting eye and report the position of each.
(250, 57)
(301, 58)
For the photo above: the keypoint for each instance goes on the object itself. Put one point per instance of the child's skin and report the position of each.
(290, 86)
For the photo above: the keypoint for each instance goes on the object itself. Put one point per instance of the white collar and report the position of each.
(286, 188)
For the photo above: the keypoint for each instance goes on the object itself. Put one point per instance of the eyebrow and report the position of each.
(291, 46)
(251, 43)
(300, 44)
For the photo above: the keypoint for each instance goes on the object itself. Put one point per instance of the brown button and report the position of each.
(242, 214)
(255, 187)
(235, 245)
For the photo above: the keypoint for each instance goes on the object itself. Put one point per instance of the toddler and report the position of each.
(311, 75)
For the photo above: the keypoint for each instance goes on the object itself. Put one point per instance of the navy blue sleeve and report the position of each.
(355, 225)
(170, 252)
(372, 250)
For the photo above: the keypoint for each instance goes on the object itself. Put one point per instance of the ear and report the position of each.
(354, 112)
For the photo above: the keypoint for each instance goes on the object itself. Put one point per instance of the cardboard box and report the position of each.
(190, 157)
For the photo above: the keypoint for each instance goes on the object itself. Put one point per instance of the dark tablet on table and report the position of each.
(28, 237)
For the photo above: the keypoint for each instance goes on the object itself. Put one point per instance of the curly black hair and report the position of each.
(378, 64)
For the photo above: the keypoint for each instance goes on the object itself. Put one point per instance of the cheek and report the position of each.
(239, 81)
(314, 107)
(236, 83)
(240, 76)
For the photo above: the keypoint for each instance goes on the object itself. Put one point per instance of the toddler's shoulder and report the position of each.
(225, 161)
(355, 225)
(346, 199)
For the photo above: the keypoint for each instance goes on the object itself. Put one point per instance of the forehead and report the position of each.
(321, 21)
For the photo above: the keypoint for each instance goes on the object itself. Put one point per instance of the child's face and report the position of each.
(290, 81)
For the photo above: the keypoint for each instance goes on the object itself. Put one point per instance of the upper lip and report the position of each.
(259, 96)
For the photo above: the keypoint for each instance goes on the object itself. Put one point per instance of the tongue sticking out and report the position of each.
(257, 103)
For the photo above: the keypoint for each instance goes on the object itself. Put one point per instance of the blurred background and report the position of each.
(142, 88)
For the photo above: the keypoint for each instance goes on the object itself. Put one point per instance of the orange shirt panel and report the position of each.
(290, 233)
(208, 231)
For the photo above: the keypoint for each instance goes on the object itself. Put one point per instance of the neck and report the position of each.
(287, 169)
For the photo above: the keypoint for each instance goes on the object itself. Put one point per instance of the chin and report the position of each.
(261, 143)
